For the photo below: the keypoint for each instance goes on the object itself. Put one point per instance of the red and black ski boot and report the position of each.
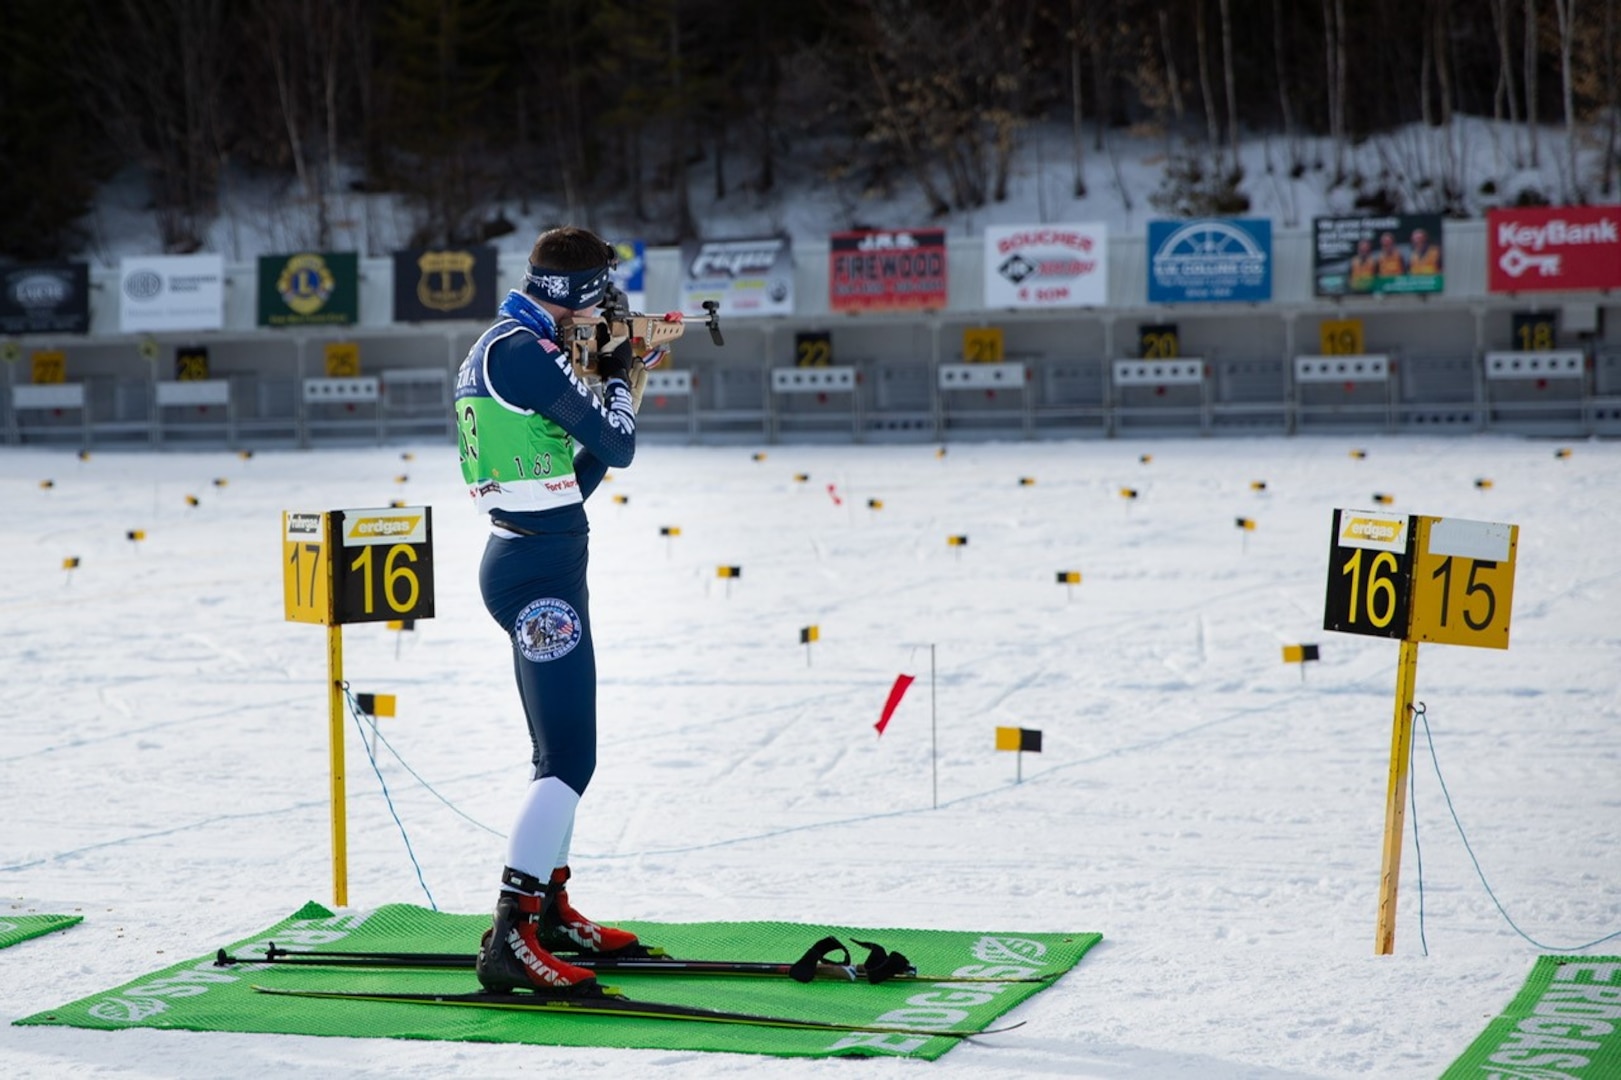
(566, 930)
(511, 956)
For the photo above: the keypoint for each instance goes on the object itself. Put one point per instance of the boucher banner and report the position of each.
(630, 274)
(752, 276)
(438, 284)
(1553, 249)
(171, 292)
(1225, 260)
(1399, 253)
(45, 298)
(887, 270)
(1046, 266)
(309, 289)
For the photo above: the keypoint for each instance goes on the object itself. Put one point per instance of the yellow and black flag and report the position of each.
(1018, 738)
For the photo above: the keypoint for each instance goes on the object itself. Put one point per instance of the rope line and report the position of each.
(1435, 760)
(458, 811)
(371, 756)
(1418, 853)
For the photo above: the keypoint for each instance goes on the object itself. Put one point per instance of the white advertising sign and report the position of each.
(1046, 266)
(171, 292)
(746, 277)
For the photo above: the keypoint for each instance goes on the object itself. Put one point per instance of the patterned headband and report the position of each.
(571, 289)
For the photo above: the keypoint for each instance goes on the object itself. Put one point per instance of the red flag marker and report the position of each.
(896, 692)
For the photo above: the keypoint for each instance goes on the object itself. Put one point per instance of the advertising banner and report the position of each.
(1362, 256)
(753, 276)
(887, 270)
(45, 298)
(1223, 260)
(1046, 266)
(630, 275)
(1553, 249)
(438, 284)
(309, 289)
(171, 292)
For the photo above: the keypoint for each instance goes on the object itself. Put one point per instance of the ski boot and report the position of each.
(566, 930)
(511, 956)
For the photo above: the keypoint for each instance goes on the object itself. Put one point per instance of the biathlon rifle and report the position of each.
(646, 332)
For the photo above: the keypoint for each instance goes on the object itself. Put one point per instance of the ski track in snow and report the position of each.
(1216, 814)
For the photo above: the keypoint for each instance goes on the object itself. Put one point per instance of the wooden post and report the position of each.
(340, 844)
(1401, 746)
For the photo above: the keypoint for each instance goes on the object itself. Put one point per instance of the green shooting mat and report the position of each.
(1564, 1024)
(198, 995)
(15, 928)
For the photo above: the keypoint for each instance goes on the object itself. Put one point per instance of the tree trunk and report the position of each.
(1614, 97)
(1172, 80)
(1565, 13)
(1230, 78)
(1201, 41)
(1101, 71)
(1077, 126)
(1426, 107)
(1281, 71)
(1443, 57)
(1531, 111)
(1331, 83)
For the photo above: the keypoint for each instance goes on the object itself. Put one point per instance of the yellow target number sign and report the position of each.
(342, 359)
(983, 345)
(1340, 337)
(353, 566)
(1418, 578)
(1463, 582)
(386, 568)
(305, 576)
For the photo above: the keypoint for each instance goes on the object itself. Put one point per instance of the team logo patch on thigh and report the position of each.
(547, 629)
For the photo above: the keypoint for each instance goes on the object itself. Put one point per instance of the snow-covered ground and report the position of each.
(1215, 813)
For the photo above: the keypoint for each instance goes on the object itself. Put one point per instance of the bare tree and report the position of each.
(1230, 78)
(1334, 50)
(1612, 98)
(157, 71)
(1077, 140)
(1281, 72)
(1173, 81)
(1531, 51)
(1201, 42)
(1565, 14)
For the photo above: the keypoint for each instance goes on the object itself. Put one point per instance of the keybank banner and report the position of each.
(171, 292)
(887, 270)
(753, 276)
(630, 274)
(309, 289)
(438, 284)
(45, 298)
(1222, 260)
(1553, 249)
(1362, 256)
(1046, 266)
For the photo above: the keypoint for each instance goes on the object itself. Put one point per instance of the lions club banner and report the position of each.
(1046, 266)
(309, 288)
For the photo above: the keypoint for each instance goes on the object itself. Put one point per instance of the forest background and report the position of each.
(643, 117)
